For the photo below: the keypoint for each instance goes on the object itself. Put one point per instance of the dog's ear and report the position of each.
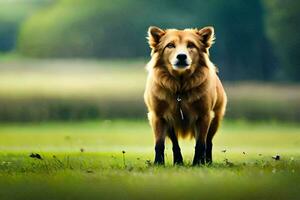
(207, 36)
(154, 35)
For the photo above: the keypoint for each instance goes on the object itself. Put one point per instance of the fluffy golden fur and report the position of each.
(185, 99)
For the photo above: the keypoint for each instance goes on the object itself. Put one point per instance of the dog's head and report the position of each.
(181, 50)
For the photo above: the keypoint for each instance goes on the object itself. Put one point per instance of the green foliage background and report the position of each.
(283, 27)
(256, 40)
(12, 16)
(117, 29)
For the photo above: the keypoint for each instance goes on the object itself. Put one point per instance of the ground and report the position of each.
(113, 159)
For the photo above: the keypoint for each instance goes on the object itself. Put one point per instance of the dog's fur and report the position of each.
(201, 98)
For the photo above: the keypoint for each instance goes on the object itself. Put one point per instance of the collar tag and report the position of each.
(180, 110)
(181, 114)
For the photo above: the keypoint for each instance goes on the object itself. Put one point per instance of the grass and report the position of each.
(84, 160)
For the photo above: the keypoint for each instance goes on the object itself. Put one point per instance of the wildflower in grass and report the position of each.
(228, 163)
(124, 163)
(276, 157)
(148, 162)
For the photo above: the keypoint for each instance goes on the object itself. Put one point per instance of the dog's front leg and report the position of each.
(202, 126)
(160, 128)
(177, 157)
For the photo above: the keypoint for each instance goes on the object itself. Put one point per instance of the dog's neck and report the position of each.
(168, 87)
(178, 84)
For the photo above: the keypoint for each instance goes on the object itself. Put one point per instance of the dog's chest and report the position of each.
(179, 111)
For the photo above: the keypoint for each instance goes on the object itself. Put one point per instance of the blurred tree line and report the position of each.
(12, 16)
(256, 40)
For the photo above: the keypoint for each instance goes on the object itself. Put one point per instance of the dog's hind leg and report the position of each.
(177, 157)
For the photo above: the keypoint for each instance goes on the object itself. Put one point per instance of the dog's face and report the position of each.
(180, 50)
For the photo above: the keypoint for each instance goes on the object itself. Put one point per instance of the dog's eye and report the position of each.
(191, 45)
(170, 45)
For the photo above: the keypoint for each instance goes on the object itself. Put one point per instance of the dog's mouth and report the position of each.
(181, 64)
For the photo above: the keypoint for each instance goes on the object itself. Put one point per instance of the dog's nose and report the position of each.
(181, 57)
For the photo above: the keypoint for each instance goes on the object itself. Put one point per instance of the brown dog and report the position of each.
(183, 94)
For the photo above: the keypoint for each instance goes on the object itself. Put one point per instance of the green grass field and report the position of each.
(84, 160)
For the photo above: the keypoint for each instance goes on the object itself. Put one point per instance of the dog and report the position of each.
(183, 94)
